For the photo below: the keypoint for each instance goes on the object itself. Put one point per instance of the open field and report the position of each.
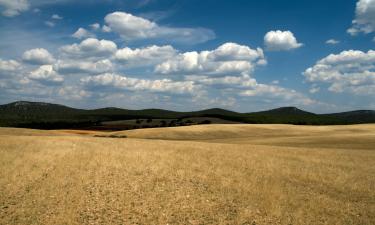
(207, 174)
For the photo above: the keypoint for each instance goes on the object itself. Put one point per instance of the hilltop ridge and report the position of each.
(49, 115)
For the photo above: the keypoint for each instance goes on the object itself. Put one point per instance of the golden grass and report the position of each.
(214, 174)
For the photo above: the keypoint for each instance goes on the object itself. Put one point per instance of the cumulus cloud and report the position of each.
(281, 41)
(119, 82)
(332, 42)
(46, 75)
(83, 67)
(150, 55)
(364, 18)
(90, 47)
(82, 33)
(38, 56)
(10, 8)
(131, 27)
(229, 58)
(349, 71)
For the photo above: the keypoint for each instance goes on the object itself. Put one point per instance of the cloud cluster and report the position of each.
(134, 84)
(248, 87)
(364, 18)
(131, 27)
(95, 68)
(349, 71)
(289, 96)
(146, 56)
(229, 58)
(12, 8)
(281, 41)
(84, 66)
(225, 71)
(226, 81)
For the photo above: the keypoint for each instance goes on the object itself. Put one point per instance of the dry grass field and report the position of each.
(208, 174)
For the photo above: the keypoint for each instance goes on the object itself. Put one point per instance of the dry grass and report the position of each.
(214, 174)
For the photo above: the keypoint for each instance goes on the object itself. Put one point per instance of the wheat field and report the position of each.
(208, 174)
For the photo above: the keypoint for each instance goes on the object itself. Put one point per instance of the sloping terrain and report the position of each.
(209, 174)
(274, 135)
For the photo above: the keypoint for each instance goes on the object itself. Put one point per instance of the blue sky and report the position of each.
(189, 55)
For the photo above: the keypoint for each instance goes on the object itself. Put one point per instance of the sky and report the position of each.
(189, 55)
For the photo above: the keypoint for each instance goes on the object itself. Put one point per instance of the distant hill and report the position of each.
(354, 117)
(286, 111)
(289, 115)
(53, 116)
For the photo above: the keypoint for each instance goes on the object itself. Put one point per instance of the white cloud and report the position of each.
(232, 51)
(349, 71)
(56, 17)
(95, 26)
(134, 84)
(226, 82)
(289, 96)
(83, 67)
(216, 77)
(314, 89)
(332, 42)
(39, 56)
(90, 47)
(9, 66)
(364, 18)
(106, 29)
(229, 58)
(150, 55)
(281, 41)
(82, 33)
(46, 74)
(49, 23)
(352, 31)
(72, 93)
(12, 8)
(131, 27)
(248, 87)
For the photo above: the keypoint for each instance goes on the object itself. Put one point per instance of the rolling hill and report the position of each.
(54, 116)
